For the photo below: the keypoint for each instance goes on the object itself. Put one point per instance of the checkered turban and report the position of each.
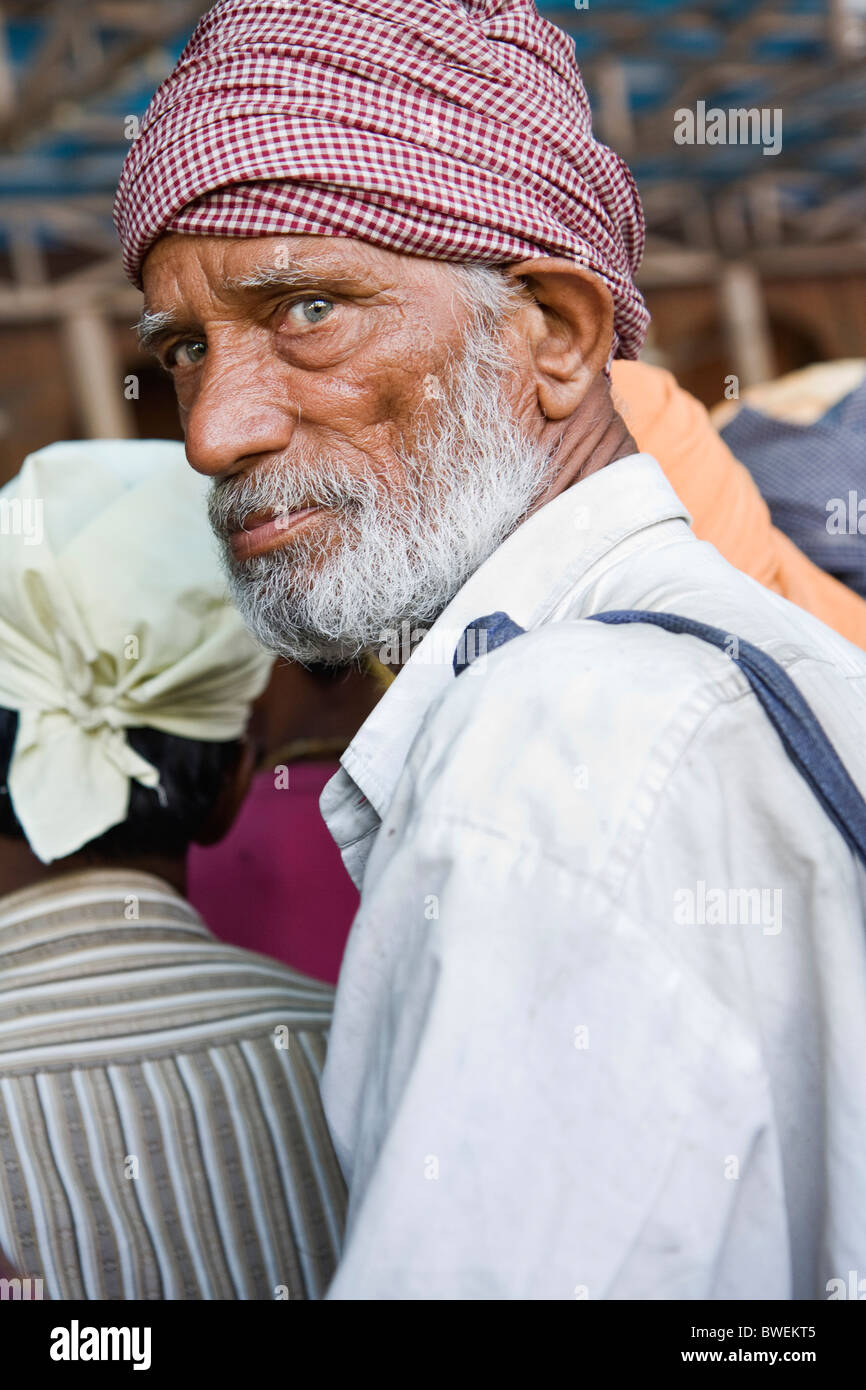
(458, 130)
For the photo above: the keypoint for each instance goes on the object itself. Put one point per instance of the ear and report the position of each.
(568, 330)
(231, 797)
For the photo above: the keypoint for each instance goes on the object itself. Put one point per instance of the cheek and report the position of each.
(386, 398)
(412, 391)
(520, 395)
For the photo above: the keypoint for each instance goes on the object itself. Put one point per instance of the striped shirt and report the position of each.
(161, 1133)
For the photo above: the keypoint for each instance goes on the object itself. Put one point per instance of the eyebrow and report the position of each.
(155, 325)
(314, 275)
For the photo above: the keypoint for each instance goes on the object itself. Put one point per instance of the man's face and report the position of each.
(359, 423)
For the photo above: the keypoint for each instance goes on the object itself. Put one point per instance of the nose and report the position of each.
(241, 409)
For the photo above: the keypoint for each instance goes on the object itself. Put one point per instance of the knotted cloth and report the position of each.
(113, 615)
(454, 131)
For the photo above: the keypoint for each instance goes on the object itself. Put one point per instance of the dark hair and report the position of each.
(192, 774)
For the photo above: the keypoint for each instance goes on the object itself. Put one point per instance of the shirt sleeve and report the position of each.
(552, 1106)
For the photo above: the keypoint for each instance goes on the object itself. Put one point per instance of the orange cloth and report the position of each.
(725, 505)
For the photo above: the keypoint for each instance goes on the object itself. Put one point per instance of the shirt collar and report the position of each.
(526, 576)
(70, 891)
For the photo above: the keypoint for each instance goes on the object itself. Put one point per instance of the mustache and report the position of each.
(286, 487)
(316, 480)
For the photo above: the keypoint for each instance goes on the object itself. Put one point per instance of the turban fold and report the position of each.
(113, 615)
(454, 131)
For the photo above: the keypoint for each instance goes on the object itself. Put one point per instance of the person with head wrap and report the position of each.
(333, 120)
(161, 1134)
(607, 822)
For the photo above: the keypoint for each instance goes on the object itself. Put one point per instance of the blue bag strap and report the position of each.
(804, 740)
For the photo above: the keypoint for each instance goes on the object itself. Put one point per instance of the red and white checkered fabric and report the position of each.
(455, 131)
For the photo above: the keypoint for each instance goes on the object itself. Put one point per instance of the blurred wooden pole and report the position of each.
(613, 112)
(96, 375)
(25, 255)
(845, 24)
(747, 328)
(766, 212)
(7, 74)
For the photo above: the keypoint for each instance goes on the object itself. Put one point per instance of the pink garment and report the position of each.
(276, 883)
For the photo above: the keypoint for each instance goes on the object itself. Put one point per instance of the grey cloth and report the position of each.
(809, 475)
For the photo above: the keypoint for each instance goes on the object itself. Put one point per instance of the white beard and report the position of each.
(464, 487)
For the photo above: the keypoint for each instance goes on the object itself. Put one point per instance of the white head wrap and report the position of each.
(113, 615)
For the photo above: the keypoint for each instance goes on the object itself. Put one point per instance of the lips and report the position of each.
(264, 531)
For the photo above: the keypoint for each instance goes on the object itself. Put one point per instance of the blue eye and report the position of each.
(313, 310)
(187, 354)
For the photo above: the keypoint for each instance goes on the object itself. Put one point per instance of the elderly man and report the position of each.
(597, 1027)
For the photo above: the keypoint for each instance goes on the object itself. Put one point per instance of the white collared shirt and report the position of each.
(601, 1023)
